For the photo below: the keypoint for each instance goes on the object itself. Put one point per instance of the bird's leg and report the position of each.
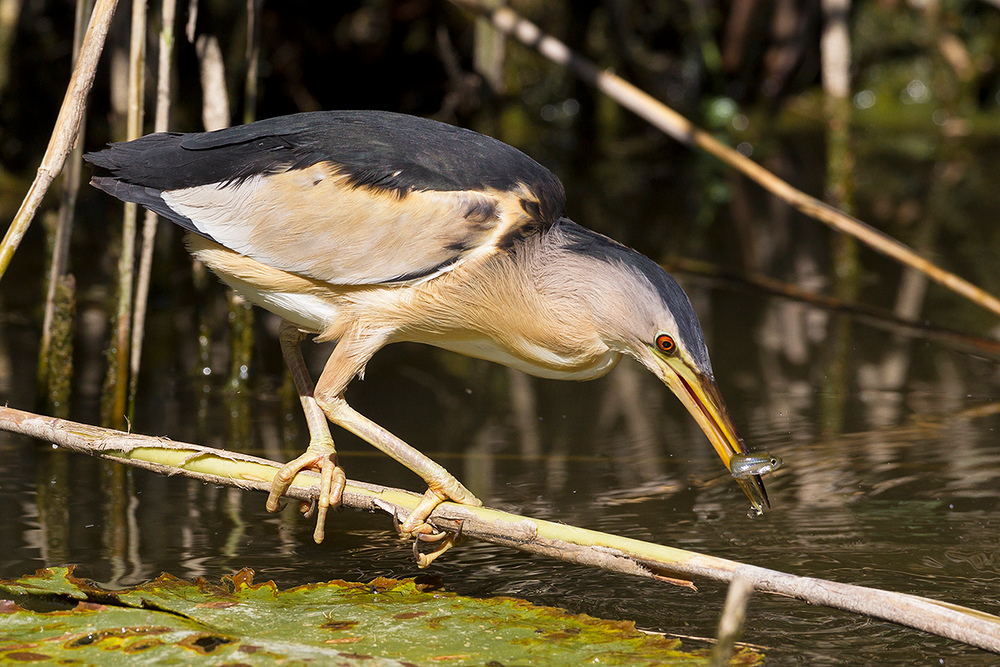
(443, 485)
(320, 454)
(347, 360)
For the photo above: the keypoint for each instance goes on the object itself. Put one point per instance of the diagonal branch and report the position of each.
(65, 132)
(575, 545)
(681, 129)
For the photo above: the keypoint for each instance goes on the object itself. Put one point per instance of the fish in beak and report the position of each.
(700, 395)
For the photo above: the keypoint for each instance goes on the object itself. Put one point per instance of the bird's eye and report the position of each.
(665, 344)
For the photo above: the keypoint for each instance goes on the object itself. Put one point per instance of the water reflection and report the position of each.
(903, 495)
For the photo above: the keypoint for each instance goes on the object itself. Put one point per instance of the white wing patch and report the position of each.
(219, 211)
(313, 222)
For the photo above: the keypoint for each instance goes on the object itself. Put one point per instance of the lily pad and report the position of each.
(55, 617)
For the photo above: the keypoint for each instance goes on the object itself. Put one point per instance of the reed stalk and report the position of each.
(161, 123)
(835, 57)
(118, 369)
(252, 58)
(10, 12)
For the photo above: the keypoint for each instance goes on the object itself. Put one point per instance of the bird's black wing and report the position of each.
(348, 197)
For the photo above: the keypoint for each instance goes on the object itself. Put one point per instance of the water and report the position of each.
(891, 476)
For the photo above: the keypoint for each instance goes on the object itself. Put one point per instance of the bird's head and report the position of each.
(641, 311)
(678, 357)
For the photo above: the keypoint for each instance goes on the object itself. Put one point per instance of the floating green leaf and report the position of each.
(53, 616)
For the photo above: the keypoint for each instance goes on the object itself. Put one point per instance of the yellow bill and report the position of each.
(700, 395)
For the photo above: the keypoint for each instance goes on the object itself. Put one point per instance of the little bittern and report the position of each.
(368, 228)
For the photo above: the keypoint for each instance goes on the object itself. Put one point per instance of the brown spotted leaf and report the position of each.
(55, 617)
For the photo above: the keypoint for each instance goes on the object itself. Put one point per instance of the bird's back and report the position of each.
(377, 148)
(348, 197)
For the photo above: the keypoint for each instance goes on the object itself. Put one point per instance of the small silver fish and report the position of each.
(743, 466)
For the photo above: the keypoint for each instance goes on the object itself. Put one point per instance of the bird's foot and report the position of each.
(444, 540)
(416, 525)
(322, 457)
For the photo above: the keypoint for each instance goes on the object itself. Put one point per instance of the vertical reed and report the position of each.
(161, 123)
(241, 316)
(835, 53)
(118, 369)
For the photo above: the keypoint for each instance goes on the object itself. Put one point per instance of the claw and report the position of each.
(433, 537)
(308, 509)
(416, 526)
(416, 523)
(445, 539)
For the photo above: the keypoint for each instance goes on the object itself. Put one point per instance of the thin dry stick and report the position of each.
(672, 123)
(489, 51)
(126, 263)
(215, 101)
(161, 122)
(67, 209)
(192, 21)
(731, 623)
(66, 129)
(835, 48)
(575, 545)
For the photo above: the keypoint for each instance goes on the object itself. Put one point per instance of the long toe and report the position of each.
(322, 458)
(442, 542)
(416, 523)
(331, 492)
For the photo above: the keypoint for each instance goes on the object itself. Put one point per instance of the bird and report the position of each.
(372, 227)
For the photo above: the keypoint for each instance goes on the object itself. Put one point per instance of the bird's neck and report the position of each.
(524, 308)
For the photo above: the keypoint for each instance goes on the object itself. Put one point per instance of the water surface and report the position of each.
(891, 473)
